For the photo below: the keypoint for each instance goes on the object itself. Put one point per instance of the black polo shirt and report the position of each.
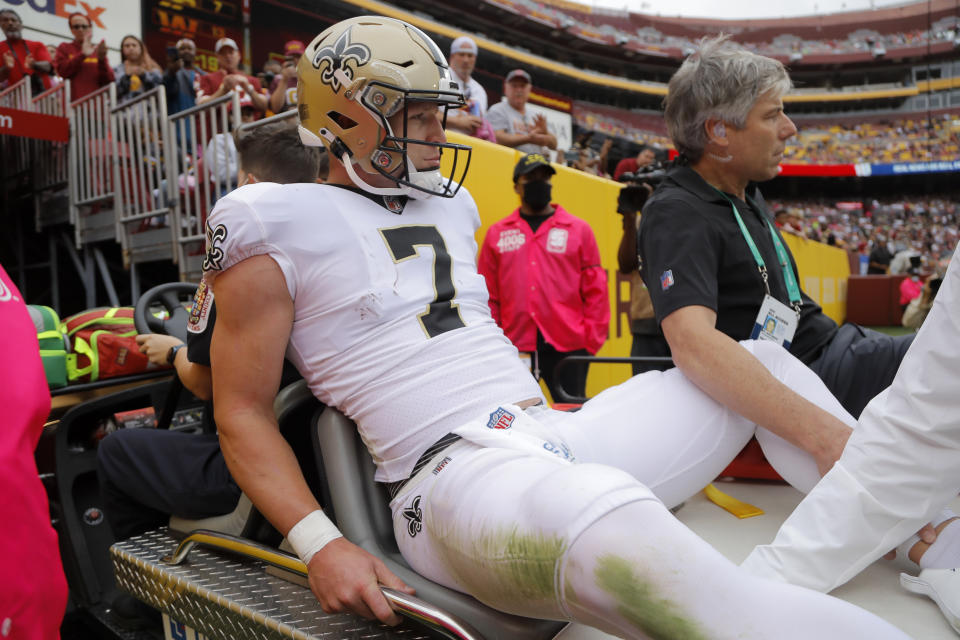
(692, 252)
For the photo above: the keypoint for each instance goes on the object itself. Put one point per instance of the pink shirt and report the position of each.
(910, 289)
(33, 591)
(550, 280)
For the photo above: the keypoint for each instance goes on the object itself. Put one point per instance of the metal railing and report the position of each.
(200, 172)
(130, 173)
(15, 152)
(92, 132)
(17, 96)
(50, 167)
(51, 164)
(142, 211)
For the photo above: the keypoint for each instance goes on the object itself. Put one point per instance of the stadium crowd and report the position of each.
(928, 226)
(614, 27)
(896, 140)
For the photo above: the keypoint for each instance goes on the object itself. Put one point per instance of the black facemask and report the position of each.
(537, 194)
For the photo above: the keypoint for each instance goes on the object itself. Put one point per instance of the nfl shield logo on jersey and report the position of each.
(666, 279)
(500, 419)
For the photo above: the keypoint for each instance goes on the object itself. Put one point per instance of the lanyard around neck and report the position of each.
(793, 289)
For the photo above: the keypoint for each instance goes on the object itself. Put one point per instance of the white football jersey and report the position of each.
(391, 323)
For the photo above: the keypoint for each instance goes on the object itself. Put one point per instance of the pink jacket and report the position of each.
(551, 281)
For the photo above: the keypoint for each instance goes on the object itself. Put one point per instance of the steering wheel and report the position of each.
(171, 297)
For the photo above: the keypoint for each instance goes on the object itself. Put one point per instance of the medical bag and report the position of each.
(104, 345)
(54, 344)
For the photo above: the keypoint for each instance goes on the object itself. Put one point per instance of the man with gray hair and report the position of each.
(718, 271)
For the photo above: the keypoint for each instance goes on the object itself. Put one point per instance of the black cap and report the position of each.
(530, 162)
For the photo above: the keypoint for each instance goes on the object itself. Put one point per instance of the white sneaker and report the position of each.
(940, 585)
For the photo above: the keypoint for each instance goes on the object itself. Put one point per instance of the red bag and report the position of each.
(104, 345)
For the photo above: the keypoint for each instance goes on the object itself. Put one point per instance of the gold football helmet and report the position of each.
(356, 75)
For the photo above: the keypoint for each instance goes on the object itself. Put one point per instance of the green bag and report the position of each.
(54, 344)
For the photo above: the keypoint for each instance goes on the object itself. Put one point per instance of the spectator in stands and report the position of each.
(645, 157)
(271, 69)
(514, 124)
(54, 78)
(137, 72)
(81, 62)
(547, 289)
(283, 87)
(23, 57)
(180, 77)
(230, 78)
(33, 592)
(470, 120)
(147, 475)
(716, 268)
(880, 256)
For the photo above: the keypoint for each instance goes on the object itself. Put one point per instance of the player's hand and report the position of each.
(156, 346)
(344, 577)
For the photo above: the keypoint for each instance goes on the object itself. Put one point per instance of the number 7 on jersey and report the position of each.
(442, 314)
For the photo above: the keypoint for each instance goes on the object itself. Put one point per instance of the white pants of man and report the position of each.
(899, 468)
(561, 515)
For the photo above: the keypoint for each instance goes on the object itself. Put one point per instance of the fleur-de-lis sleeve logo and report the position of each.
(213, 261)
(414, 517)
(331, 59)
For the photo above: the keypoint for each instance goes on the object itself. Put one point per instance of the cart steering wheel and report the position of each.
(169, 296)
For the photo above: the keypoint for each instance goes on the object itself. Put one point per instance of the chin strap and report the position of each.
(431, 179)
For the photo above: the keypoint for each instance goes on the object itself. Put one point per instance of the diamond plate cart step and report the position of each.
(228, 597)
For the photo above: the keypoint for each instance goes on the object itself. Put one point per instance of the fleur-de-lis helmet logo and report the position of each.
(337, 57)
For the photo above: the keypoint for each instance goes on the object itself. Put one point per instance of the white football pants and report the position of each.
(562, 515)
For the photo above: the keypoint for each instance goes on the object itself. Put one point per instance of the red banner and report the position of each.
(29, 124)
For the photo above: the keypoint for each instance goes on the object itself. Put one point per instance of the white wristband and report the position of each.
(312, 534)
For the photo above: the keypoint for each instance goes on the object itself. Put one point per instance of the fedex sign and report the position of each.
(63, 8)
(111, 19)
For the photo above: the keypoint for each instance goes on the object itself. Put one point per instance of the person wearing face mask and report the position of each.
(548, 291)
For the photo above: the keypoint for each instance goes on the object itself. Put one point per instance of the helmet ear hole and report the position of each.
(343, 121)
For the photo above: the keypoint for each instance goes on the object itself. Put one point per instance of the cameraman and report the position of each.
(648, 340)
(916, 312)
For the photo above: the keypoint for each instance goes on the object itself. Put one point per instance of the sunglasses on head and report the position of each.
(79, 26)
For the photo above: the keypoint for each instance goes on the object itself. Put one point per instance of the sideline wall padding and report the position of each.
(823, 269)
